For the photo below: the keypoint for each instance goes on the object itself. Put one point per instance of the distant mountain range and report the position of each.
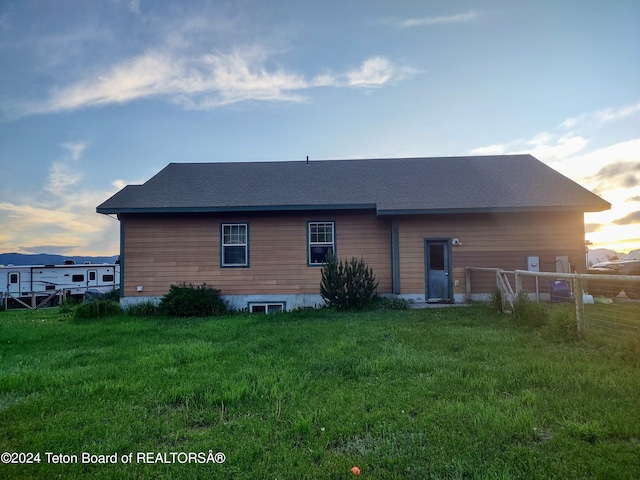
(49, 259)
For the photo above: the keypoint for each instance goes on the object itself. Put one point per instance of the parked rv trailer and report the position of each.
(31, 285)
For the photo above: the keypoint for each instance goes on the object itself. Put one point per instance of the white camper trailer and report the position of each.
(33, 286)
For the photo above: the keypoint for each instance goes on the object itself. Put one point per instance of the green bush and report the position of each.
(192, 301)
(112, 295)
(564, 324)
(529, 313)
(391, 304)
(144, 309)
(97, 309)
(348, 285)
(69, 305)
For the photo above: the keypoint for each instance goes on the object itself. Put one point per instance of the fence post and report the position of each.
(467, 274)
(518, 284)
(577, 292)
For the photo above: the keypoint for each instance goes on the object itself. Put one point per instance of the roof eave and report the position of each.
(446, 211)
(227, 209)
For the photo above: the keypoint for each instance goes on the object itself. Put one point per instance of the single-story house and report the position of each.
(260, 232)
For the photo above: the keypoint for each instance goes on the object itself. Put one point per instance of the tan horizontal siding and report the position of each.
(490, 240)
(164, 250)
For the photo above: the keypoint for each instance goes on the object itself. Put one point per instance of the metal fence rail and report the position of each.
(614, 315)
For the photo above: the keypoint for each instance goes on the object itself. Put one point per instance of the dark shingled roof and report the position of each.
(391, 186)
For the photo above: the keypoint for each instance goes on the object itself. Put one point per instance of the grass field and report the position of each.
(443, 393)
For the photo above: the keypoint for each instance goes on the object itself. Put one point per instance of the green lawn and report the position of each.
(443, 393)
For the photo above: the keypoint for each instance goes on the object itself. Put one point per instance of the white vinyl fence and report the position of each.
(606, 306)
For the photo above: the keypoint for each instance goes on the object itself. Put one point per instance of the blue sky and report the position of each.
(95, 95)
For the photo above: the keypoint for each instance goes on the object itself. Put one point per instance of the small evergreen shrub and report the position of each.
(97, 309)
(348, 285)
(192, 301)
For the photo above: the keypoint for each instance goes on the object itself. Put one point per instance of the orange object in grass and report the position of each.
(355, 471)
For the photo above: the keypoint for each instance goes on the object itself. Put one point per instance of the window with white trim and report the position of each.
(321, 239)
(266, 307)
(235, 245)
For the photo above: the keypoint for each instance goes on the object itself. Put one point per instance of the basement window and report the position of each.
(276, 307)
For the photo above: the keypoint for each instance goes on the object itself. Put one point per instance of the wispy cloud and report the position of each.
(375, 72)
(62, 172)
(76, 149)
(208, 81)
(593, 227)
(602, 116)
(33, 225)
(4, 21)
(433, 20)
(134, 6)
(631, 219)
(617, 175)
(63, 218)
(72, 226)
(545, 146)
(612, 171)
(603, 170)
